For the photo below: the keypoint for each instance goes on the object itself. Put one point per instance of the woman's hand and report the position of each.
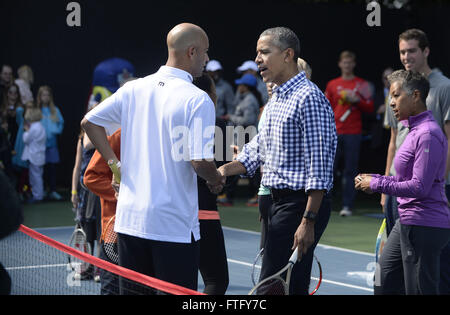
(362, 182)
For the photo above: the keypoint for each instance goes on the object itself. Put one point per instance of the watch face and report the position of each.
(309, 215)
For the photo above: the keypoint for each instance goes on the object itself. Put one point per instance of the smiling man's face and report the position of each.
(412, 56)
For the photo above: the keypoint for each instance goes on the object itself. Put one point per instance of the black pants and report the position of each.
(265, 204)
(5, 281)
(176, 263)
(213, 258)
(109, 282)
(410, 261)
(284, 218)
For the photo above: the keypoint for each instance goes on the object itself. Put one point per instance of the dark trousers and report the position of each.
(50, 176)
(109, 282)
(390, 213)
(176, 263)
(284, 218)
(410, 261)
(213, 258)
(5, 281)
(264, 204)
(348, 149)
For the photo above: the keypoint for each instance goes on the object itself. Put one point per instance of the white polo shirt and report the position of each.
(166, 122)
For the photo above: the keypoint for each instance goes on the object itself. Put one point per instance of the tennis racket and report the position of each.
(110, 241)
(79, 241)
(381, 240)
(277, 284)
(115, 170)
(316, 272)
(364, 91)
(316, 276)
(256, 268)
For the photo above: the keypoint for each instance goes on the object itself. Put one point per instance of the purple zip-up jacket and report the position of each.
(419, 184)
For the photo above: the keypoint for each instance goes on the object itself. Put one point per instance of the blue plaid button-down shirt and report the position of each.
(297, 142)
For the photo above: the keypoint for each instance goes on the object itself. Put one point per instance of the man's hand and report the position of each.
(303, 237)
(217, 186)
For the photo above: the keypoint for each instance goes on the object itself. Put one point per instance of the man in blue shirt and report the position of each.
(296, 145)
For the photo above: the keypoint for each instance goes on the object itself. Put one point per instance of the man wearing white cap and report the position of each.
(250, 66)
(224, 90)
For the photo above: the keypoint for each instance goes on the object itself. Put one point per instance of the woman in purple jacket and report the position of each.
(410, 260)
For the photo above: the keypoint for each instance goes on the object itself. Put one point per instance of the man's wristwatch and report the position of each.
(310, 215)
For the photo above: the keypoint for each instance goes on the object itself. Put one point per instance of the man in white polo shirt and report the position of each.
(167, 139)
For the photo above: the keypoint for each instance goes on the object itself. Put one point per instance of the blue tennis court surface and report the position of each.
(345, 272)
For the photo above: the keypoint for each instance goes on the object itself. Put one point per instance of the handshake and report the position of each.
(217, 185)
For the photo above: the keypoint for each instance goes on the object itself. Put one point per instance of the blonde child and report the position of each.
(34, 139)
(53, 123)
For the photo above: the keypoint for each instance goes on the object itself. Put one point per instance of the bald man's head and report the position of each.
(184, 35)
(188, 46)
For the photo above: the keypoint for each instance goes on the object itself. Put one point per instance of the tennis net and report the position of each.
(39, 265)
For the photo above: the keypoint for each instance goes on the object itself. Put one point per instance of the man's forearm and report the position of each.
(97, 135)
(315, 198)
(233, 168)
(207, 170)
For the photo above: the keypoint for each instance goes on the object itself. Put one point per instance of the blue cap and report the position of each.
(247, 79)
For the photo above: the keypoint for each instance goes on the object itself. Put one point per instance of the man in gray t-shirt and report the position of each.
(414, 51)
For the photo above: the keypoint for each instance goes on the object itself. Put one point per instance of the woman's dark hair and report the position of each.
(205, 83)
(410, 82)
(257, 94)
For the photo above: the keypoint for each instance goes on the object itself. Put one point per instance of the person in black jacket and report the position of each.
(11, 217)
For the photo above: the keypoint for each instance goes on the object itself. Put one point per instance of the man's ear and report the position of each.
(426, 52)
(191, 51)
(289, 55)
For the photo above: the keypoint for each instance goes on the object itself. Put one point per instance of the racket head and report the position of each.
(316, 276)
(256, 268)
(381, 240)
(277, 284)
(274, 285)
(78, 241)
(109, 243)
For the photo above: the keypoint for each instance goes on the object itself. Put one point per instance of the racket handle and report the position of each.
(345, 115)
(294, 256)
(115, 169)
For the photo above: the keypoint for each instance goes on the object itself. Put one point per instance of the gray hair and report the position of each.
(411, 81)
(284, 38)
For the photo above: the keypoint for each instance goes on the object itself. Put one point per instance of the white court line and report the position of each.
(35, 267)
(320, 245)
(244, 231)
(342, 284)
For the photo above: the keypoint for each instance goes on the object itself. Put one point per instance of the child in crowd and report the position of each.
(34, 138)
(53, 123)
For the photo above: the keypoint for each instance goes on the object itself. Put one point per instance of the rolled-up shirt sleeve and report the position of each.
(319, 142)
(250, 157)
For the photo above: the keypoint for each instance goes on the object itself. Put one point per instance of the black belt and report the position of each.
(278, 194)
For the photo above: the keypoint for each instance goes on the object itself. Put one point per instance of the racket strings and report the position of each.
(110, 242)
(272, 286)
(79, 242)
